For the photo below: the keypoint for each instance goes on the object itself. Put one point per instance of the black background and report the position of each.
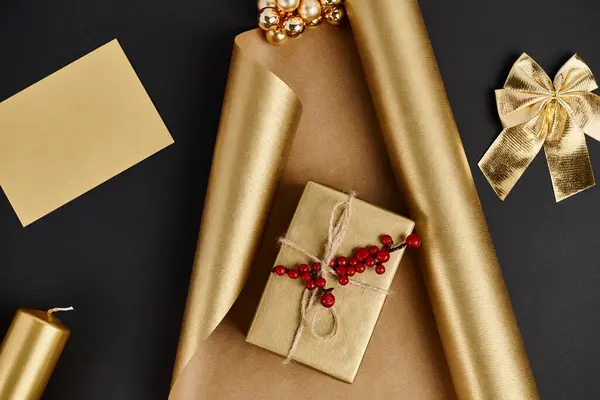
(122, 253)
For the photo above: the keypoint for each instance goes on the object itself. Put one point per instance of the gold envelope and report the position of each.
(74, 130)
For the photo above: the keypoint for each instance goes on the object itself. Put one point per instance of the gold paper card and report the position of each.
(358, 309)
(74, 130)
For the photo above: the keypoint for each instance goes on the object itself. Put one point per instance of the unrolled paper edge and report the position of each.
(183, 357)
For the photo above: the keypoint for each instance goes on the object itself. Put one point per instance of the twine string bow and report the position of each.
(535, 113)
(338, 225)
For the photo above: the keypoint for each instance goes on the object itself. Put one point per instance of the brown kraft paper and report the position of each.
(339, 143)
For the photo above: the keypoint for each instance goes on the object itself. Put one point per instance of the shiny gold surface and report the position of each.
(288, 5)
(339, 144)
(358, 309)
(315, 22)
(330, 3)
(294, 27)
(289, 18)
(535, 113)
(268, 19)
(75, 129)
(260, 4)
(473, 312)
(259, 118)
(309, 10)
(29, 353)
(276, 37)
(334, 15)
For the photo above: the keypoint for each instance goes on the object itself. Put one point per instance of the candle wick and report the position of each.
(59, 309)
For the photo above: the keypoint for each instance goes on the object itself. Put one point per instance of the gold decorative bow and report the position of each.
(537, 112)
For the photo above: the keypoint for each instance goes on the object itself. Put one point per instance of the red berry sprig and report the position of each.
(371, 257)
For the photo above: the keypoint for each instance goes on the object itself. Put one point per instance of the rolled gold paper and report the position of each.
(259, 118)
(338, 144)
(474, 316)
(29, 353)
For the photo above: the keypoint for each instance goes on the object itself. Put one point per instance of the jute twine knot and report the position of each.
(338, 226)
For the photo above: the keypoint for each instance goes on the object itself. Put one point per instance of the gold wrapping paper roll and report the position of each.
(29, 353)
(477, 326)
(339, 144)
(259, 118)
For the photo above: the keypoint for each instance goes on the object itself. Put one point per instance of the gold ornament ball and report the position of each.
(294, 27)
(334, 15)
(330, 3)
(266, 3)
(288, 5)
(276, 37)
(315, 22)
(309, 9)
(268, 19)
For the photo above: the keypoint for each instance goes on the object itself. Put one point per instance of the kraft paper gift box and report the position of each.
(357, 308)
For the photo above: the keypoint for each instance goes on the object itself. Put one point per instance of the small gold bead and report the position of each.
(268, 19)
(309, 10)
(315, 22)
(330, 3)
(334, 15)
(266, 3)
(276, 37)
(288, 5)
(294, 27)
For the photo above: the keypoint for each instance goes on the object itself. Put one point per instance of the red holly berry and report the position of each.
(341, 271)
(383, 256)
(328, 300)
(413, 241)
(387, 240)
(306, 277)
(280, 270)
(362, 254)
(372, 256)
(303, 268)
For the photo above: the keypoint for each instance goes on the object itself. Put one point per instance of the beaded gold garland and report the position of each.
(283, 19)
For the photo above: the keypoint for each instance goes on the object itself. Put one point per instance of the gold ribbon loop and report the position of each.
(537, 112)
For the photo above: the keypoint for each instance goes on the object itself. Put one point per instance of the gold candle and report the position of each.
(29, 353)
